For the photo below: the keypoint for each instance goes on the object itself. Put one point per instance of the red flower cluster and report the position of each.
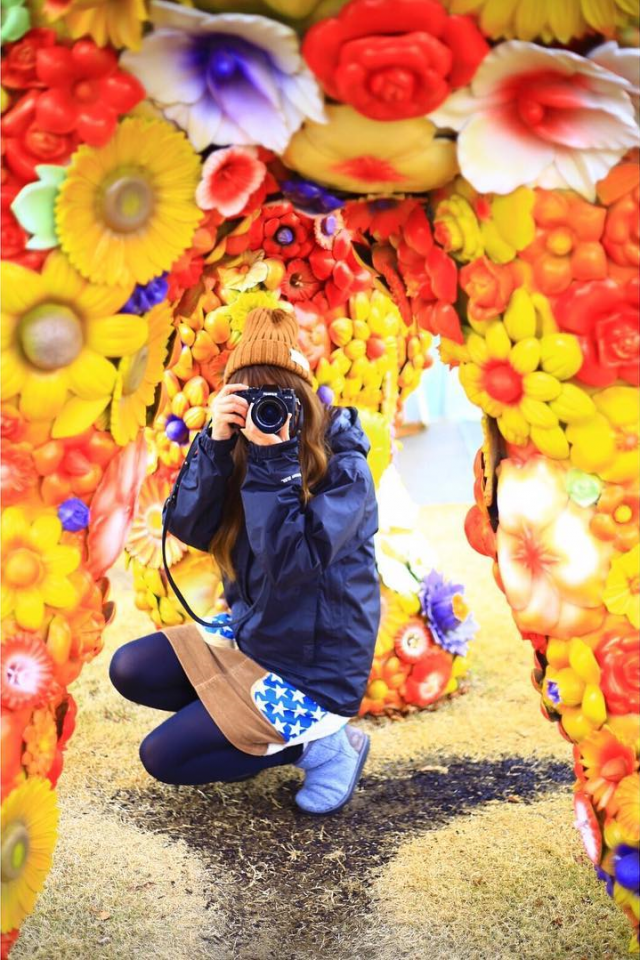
(20, 58)
(281, 232)
(14, 238)
(74, 94)
(392, 59)
(328, 277)
(26, 144)
(86, 92)
(605, 317)
(421, 277)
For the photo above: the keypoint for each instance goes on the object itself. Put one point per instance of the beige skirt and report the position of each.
(257, 710)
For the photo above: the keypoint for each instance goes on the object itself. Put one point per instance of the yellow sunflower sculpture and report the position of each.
(126, 211)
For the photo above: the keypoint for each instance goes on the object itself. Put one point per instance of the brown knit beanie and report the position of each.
(270, 336)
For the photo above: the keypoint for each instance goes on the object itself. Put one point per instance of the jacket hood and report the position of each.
(345, 431)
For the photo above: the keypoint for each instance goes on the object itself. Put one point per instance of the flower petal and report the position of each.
(45, 531)
(117, 336)
(201, 121)
(14, 526)
(43, 394)
(13, 373)
(77, 415)
(91, 375)
(497, 156)
(252, 112)
(62, 559)
(29, 608)
(165, 66)
(59, 592)
(21, 288)
(63, 283)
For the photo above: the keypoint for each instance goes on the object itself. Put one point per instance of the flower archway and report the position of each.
(396, 171)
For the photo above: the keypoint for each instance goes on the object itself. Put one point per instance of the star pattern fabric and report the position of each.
(220, 626)
(291, 712)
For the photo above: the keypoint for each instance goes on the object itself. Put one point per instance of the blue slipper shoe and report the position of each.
(333, 767)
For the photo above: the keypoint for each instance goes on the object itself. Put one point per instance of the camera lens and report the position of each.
(270, 414)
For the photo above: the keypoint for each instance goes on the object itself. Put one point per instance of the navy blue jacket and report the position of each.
(306, 601)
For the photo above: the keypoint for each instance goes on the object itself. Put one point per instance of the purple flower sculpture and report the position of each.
(310, 197)
(228, 79)
(446, 613)
(147, 295)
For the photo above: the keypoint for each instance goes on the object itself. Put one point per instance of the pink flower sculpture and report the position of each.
(552, 568)
(542, 117)
(113, 506)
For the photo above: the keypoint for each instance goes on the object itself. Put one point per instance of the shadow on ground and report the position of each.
(269, 851)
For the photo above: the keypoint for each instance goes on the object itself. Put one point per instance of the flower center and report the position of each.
(530, 111)
(626, 441)
(634, 585)
(23, 568)
(329, 225)
(560, 242)
(393, 84)
(135, 371)
(127, 202)
(284, 236)
(51, 336)
(223, 64)
(502, 382)
(623, 513)
(459, 607)
(85, 91)
(370, 169)
(15, 850)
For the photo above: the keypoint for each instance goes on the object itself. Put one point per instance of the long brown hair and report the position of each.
(314, 454)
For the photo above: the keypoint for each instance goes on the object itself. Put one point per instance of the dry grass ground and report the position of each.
(458, 844)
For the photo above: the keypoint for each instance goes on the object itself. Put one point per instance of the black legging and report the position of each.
(187, 748)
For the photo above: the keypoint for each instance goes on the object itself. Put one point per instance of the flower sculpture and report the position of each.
(537, 116)
(544, 547)
(226, 79)
(354, 153)
(528, 19)
(58, 338)
(124, 213)
(392, 60)
(394, 174)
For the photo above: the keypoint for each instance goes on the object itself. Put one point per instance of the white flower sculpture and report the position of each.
(542, 117)
(227, 78)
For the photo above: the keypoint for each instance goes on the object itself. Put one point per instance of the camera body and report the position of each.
(271, 407)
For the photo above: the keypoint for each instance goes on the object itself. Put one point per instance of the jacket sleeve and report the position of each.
(295, 543)
(197, 511)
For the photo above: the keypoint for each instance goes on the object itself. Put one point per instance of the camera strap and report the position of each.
(168, 507)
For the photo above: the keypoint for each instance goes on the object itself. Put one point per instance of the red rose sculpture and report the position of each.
(392, 59)
(618, 654)
(605, 318)
(26, 144)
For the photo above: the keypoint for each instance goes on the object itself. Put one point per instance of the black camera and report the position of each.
(271, 407)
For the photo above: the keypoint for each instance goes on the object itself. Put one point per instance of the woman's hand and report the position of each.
(228, 409)
(252, 433)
